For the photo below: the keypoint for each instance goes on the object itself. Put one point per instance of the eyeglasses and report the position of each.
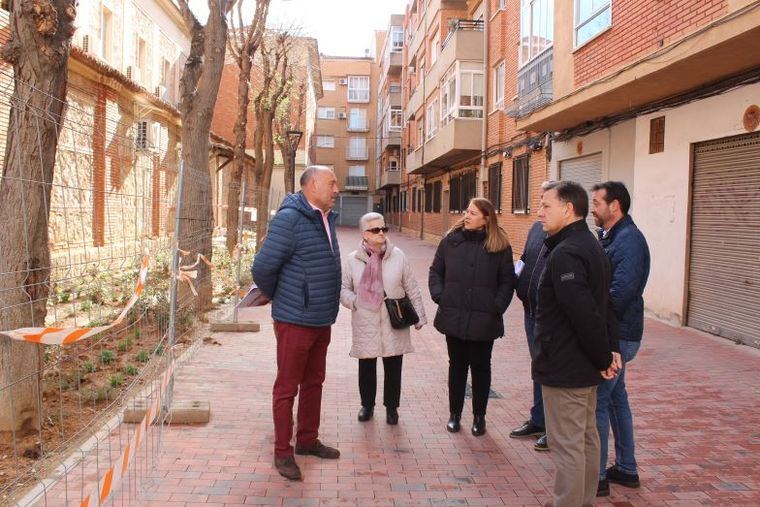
(377, 230)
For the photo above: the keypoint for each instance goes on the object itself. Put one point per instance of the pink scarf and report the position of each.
(370, 294)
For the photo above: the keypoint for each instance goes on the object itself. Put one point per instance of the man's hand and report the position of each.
(615, 366)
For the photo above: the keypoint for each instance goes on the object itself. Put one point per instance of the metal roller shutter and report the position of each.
(351, 208)
(724, 264)
(584, 170)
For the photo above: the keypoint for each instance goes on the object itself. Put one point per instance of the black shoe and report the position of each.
(542, 444)
(604, 488)
(479, 425)
(528, 429)
(319, 450)
(365, 414)
(617, 476)
(453, 424)
(288, 468)
(391, 416)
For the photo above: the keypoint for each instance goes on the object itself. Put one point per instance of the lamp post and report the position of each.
(294, 138)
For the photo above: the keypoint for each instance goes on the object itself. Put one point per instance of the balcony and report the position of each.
(463, 43)
(356, 183)
(391, 139)
(394, 98)
(534, 86)
(722, 52)
(357, 154)
(358, 126)
(414, 104)
(455, 142)
(392, 63)
(389, 178)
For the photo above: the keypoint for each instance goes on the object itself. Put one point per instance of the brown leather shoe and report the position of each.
(288, 468)
(319, 450)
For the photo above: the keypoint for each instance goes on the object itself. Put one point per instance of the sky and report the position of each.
(341, 27)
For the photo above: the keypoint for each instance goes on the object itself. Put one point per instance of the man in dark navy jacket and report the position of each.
(574, 353)
(628, 253)
(298, 268)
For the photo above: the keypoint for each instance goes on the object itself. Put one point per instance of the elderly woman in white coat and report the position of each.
(375, 269)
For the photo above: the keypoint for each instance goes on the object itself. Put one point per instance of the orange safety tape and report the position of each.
(116, 473)
(69, 335)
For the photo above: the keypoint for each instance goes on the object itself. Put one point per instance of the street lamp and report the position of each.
(294, 138)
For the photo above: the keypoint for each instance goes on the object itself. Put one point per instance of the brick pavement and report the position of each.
(695, 400)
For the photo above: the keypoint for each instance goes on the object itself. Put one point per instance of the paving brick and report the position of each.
(686, 389)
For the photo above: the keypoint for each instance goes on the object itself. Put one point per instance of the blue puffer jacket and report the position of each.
(296, 267)
(628, 253)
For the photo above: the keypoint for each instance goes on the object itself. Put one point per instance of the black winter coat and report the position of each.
(472, 287)
(572, 337)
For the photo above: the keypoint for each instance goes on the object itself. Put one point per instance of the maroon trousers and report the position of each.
(301, 358)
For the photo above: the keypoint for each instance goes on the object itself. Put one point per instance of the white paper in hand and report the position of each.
(254, 297)
(519, 265)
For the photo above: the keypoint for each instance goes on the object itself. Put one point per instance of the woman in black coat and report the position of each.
(471, 280)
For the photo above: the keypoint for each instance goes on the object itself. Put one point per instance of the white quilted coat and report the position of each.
(373, 335)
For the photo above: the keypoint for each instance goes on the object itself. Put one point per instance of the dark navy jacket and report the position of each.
(535, 261)
(296, 267)
(628, 253)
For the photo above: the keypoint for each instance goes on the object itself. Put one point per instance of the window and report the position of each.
(448, 94)
(106, 34)
(435, 47)
(536, 28)
(414, 200)
(520, 185)
(494, 185)
(141, 61)
(437, 190)
(462, 188)
(393, 164)
(357, 119)
(420, 132)
(357, 148)
(498, 87)
(591, 18)
(428, 197)
(328, 85)
(471, 95)
(357, 171)
(396, 118)
(326, 113)
(419, 199)
(403, 201)
(358, 88)
(432, 119)
(502, 4)
(657, 135)
(394, 88)
(397, 39)
(325, 142)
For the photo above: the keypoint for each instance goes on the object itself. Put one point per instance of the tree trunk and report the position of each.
(289, 167)
(199, 89)
(265, 179)
(38, 49)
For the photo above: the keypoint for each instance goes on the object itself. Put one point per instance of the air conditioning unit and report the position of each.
(86, 43)
(160, 91)
(147, 135)
(343, 82)
(341, 116)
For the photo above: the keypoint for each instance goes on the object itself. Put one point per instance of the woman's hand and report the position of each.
(418, 326)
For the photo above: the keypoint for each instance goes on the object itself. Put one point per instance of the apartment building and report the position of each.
(389, 114)
(345, 132)
(664, 96)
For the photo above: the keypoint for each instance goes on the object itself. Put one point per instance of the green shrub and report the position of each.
(130, 370)
(107, 357)
(116, 380)
(143, 356)
(88, 367)
(124, 345)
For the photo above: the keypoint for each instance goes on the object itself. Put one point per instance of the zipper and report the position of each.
(530, 282)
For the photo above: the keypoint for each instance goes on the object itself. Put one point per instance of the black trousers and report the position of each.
(391, 384)
(470, 355)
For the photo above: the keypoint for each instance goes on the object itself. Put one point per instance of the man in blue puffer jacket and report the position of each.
(298, 268)
(628, 253)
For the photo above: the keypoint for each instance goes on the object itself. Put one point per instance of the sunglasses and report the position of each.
(377, 230)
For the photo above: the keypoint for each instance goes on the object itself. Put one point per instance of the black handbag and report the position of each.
(401, 311)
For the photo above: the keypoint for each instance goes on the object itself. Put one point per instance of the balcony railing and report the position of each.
(358, 126)
(357, 154)
(534, 85)
(356, 183)
(473, 25)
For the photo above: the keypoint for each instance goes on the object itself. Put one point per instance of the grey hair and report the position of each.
(310, 172)
(369, 217)
(548, 185)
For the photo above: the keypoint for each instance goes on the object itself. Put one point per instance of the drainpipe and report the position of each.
(424, 109)
(486, 88)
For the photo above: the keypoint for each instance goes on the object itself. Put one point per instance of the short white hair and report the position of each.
(310, 172)
(369, 217)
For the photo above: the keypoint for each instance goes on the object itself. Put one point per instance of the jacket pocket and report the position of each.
(305, 294)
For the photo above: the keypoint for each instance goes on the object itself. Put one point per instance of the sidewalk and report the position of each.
(694, 396)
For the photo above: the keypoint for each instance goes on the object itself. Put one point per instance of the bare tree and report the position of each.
(199, 87)
(38, 49)
(243, 43)
(276, 79)
(288, 117)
